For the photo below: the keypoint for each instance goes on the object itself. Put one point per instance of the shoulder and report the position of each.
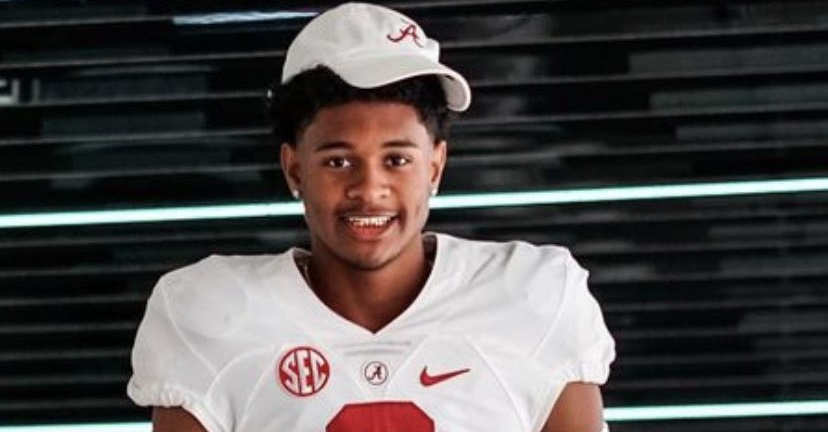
(212, 296)
(218, 265)
(216, 275)
(521, 261)
(534, 275)
(189, 334)
(537, 297)
(506, 252)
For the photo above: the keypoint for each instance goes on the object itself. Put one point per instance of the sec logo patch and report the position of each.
(303, 371)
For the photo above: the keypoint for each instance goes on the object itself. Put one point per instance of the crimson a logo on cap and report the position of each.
(303, 371)
(409, 30)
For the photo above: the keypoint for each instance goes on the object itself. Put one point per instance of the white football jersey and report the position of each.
(498, 330)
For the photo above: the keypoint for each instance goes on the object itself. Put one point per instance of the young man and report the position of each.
(378, 327)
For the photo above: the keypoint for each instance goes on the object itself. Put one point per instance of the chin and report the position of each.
(369, 261)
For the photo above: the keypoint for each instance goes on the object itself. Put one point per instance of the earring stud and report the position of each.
(296, 194)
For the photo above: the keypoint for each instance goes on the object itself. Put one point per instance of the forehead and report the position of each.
(365, 122)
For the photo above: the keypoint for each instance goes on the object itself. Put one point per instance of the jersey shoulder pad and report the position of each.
(212, 297)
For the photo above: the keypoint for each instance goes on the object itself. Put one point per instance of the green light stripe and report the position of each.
(739, 410)
(628, 193)
(486, 200)
(619, 414)
(169, 214)
(96, 427)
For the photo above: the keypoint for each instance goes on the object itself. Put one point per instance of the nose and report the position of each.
(368, 183)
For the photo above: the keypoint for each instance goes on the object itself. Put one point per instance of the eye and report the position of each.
(397, 160)
(337, 162)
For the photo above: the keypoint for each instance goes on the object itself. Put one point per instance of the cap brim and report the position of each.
(370, 72)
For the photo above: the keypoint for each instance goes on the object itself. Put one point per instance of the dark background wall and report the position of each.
(131, 104)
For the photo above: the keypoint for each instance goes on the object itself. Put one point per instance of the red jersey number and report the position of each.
(381, 417)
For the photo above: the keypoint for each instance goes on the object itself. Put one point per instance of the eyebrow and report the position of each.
(344, 145)
(332, 145)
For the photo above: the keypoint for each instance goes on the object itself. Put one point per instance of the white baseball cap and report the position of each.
(370, 46)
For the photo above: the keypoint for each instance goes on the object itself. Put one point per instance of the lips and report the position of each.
(369, 221)
(368, 227)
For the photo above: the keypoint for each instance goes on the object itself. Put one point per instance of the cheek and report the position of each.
(320, 184)
(419, 185)
(419, 193)
(319, 199)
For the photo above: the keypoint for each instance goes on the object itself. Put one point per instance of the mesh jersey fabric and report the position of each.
(513, 322)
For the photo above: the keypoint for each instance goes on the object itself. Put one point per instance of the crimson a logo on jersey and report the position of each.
(303, 371)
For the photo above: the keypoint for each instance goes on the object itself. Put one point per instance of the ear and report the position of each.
(291, 168)
(438, 163)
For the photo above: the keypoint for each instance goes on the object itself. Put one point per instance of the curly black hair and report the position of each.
(293, 106)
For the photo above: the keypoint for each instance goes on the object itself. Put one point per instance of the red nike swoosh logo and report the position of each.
(429, 380)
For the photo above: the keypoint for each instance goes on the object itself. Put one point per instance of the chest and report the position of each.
(436, 384)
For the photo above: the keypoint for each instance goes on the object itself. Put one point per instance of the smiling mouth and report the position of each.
(369, 221)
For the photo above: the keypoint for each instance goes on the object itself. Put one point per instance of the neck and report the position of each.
(370, 298)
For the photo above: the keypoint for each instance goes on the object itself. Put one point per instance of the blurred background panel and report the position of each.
(146, 104)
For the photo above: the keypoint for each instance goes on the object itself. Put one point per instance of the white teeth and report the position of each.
(369, 221)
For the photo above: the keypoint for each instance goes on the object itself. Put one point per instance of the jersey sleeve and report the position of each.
(578, 344)
(168, 370)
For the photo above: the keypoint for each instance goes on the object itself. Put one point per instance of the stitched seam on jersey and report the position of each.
(200, 410)
(431, 284)
(188, 401)
(231, 274)
(192, 350)
(280, 307)
(580, 362)
(259, 383)
(180, 334)
(564, 300)
(545, 410)
(450, 277)
(407, 359)
(540, 409)
(500, 380)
